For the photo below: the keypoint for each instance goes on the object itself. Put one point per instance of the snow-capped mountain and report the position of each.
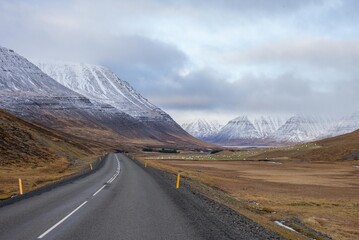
(29, 93)
(21, 77)
(201, 128)
(346, 125)
(237, 131)
(102, 85)
(243, 130)
(267, 125)
(267, 130)
(303, 128)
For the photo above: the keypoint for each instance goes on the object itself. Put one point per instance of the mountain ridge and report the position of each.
(272, 130)
(202, 129)
(100, 84)
(29, 93)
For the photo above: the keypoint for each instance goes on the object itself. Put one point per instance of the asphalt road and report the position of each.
(119, 201)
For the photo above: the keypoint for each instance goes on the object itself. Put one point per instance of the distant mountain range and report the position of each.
(86, 101)
(202, 129)
(269, 131)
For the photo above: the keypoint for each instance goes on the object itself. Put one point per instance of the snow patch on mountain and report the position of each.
(20, 77)
(303, 128)
(238, 128)
(267, 125)
(346, 125)
(28, 92)
(202, 129)
(271, 130)
(101, 84)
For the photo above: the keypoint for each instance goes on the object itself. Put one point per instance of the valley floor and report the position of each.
(306, 196)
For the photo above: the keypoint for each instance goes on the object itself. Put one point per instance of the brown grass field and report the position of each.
(38, 155)
(285, 184)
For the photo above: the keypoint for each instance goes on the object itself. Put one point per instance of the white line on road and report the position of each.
(117, 171)
(64, 219)
(99, 190)
(61, 221)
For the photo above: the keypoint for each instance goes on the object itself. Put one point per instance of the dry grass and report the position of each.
(36, 176)
(38, 155)
(322, 195)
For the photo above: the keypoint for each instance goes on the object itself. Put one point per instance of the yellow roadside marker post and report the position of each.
(145, 163)
(178, 180)
(20, 186)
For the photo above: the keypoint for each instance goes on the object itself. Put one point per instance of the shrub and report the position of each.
(168, 151)
(147, 149)
(216, 151)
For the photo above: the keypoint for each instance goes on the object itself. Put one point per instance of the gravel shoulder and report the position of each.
(211, 219)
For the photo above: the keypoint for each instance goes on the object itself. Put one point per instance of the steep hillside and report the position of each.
(274, 131)
(38, 155)
(29, 93)
(303, 128)
(346, 125)
(267, 126)
(100, 84)
(202, 129)
(24, 142)
(239, 131)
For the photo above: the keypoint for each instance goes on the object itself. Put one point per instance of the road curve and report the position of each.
(109, 204)
(119, 201)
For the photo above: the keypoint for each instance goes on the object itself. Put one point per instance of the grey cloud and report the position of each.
(126, 36)
(136, 57)
(271, 7)
(207, 91)
(315, 51)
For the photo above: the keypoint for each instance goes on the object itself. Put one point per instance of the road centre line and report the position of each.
(99, 190)
(61, 221)
(71, 213)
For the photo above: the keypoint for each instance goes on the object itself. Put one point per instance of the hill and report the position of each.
(343, 147)
(38, 155)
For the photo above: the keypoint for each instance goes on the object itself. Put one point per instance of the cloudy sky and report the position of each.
(209, 59)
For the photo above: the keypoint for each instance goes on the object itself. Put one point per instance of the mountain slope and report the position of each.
(101, 85)
(267, 126)
(28, 92)
(22, 141)
(237, 132)
(302, 128)
(346, 125)
(202, 129)
(37, 154)
(268, 130)
(31, 94)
